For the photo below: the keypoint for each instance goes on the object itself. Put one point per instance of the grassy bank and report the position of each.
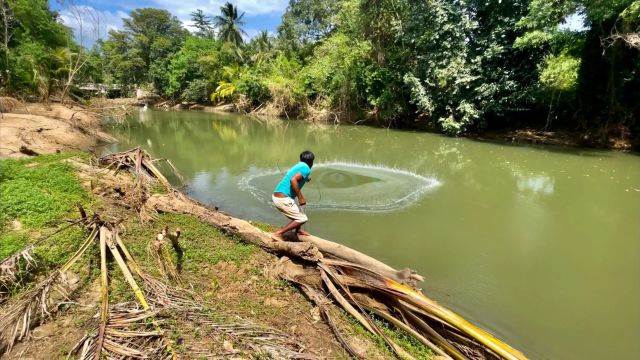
(40, 194)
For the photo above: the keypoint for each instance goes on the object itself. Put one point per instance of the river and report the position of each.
(538, 245)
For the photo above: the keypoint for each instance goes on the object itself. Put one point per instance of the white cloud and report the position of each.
(89, 24)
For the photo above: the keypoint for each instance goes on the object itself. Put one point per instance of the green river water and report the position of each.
(540, 246)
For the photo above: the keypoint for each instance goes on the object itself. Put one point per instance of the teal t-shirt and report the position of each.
(285, 185)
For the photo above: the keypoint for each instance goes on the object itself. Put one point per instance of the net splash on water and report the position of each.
(349, 186)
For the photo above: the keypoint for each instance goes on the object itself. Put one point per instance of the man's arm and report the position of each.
(294, 185)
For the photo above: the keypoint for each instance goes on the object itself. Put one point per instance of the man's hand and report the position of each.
(302, 201)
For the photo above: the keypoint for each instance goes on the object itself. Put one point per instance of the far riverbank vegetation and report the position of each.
(457, 67)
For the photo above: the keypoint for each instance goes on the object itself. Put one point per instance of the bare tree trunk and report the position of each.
(4, 8)
(80, 15)
(548, 123)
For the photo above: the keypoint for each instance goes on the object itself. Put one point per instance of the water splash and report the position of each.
(349, 186)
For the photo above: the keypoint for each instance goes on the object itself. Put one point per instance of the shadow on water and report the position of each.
(560, 149)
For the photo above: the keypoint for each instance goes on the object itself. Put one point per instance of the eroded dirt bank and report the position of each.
(35, 128)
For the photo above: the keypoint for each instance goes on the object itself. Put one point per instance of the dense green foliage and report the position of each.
(452, 65)
(32, 42)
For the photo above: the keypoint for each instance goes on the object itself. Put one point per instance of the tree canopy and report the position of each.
(455, 66)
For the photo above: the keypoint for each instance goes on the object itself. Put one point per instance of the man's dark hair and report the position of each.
(307, 157)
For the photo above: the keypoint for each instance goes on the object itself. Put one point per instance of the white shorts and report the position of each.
(288, 207)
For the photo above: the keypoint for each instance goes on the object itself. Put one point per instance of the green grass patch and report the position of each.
(11, 242)
(201, 242)
(38, 191)
(56, 250)
(265, 227)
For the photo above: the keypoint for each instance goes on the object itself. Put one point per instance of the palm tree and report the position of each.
(262, 46)
(229, 24)
(263, 41)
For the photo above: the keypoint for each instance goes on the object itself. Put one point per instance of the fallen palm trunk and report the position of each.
(311, 248)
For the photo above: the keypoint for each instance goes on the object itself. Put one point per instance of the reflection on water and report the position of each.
(344, 186)
(535, 184)
(537, 245)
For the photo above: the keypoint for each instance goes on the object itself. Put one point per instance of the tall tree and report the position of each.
(307, 21)
(203, 23)
(229, 24)
(155, 32)
(142, 51)
(606, 73)
(33, 35)
(8, 28)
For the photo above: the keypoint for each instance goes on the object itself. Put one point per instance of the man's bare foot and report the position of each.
(303, 233)
(277, 237)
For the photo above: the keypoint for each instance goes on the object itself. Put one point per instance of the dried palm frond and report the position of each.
(322, 302)
(128, 333)
(183, 304)
(260, 340)
(139, 163)
(419, 311)
(37, 304)
(10, 268)
(33, 307)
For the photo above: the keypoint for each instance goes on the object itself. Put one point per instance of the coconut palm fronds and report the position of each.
(35, 305)
(413, 312)
(10, 269)
(139, 162)
(182, 304)
(23, 260)
(366, 294)
(260, 340)
(128, 333)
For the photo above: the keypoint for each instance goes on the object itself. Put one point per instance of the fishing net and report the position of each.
(344, 186)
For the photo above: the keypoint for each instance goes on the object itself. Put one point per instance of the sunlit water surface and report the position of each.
(541, 246)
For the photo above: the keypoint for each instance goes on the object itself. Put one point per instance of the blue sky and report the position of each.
(108, 14)
(259, 14)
